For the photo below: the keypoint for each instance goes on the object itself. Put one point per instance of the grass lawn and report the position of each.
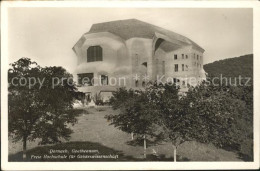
(93, 132)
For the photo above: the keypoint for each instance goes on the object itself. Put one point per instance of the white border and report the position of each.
(126, 165)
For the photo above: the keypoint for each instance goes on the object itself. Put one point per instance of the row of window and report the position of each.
(175, 80)
(198, 57)
(95, 53)
(197, 64)
(88, 79)
(183, 67)
(183, 56)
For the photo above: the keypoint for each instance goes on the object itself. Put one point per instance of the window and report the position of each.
(136, 59)
(144, 64)
(175, 80)
(143, 83)
(176, 67)
(194, 56)
(182, 67)
(157, 65)
(186, 56)
(104, 80)
(85, 79)
(197, 57)
(175, 56)
(136, 83)
(94, 53)
(182, 55)
(163, 67)
(187, 67)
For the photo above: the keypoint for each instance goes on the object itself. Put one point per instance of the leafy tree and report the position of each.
(39, 110)
(173, 115)
(207, 113)
(221, 115)
(136, 115)
(242, 129)
(225, 116)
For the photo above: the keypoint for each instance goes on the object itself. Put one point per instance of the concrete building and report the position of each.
(130, 53)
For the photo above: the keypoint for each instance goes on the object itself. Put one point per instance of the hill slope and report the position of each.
(231, 67)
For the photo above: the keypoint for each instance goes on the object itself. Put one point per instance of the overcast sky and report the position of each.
(47, 35)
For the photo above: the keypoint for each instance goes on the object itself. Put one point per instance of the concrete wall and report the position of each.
(115, 58)
(139, 50)
(124, 59)
(192, 66)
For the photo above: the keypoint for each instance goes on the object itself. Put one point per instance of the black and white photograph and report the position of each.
(121, 85)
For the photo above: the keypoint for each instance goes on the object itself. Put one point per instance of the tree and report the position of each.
(158, 111)
(39, 110)
(173, 114)
(225, 115)
(242, 130)
(136, 115)
(208, 113)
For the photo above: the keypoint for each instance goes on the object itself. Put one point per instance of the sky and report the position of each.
(47, 35)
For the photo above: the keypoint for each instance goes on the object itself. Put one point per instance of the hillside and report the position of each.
(231, 67)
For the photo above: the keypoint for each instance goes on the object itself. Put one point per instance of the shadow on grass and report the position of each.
(152, 157)
(162, 157)
(79, 111)
(247, 158)
(149, 142)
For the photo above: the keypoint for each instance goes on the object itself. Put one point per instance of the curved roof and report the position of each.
(130, 28)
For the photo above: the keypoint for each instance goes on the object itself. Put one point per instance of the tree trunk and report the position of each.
(174, 153)
(24, 147)
(132, 135)
(144, 146)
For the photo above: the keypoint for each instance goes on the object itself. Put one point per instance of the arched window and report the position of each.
(94, 53)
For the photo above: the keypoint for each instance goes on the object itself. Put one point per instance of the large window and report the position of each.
(94, 53)
(175, 56)
(85, 79)
(176, 67)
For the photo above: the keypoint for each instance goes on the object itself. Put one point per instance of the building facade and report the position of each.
(130, 53)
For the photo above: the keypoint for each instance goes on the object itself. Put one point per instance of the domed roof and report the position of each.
(131, 28)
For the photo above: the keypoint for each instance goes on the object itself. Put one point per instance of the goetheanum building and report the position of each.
(131, 53)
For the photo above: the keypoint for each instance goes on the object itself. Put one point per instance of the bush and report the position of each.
(98, 100)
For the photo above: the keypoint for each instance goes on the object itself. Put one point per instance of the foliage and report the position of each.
(221, 115)
(98, 100)
(231, 67)
(136, 115)
(240, 98)
(174, 113)
(40, 111)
